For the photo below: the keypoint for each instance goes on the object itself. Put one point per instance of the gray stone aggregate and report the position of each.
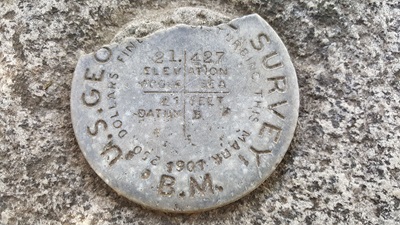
(343, 165)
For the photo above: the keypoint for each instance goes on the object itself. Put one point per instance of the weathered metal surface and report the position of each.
(188, 118)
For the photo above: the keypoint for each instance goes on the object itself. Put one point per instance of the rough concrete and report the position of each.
(343, 166)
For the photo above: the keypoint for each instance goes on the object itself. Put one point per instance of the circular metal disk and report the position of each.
(188, 118)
